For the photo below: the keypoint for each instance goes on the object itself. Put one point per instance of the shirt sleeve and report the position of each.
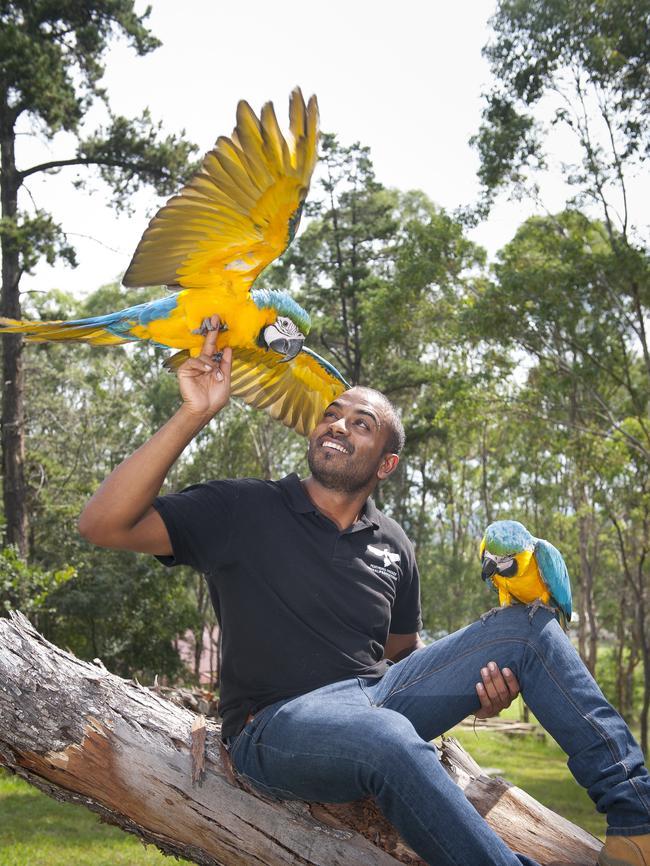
(199, 521)
(406, 616)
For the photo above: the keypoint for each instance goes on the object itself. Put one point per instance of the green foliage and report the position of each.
(36, 237)
(51, 65)
(27, 587)
(130, 153)
(583, 53)
(52, 55)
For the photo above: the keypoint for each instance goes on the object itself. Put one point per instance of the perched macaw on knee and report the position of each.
(530, 570)
(208, 244)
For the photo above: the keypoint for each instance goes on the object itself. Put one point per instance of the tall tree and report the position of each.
(585, 67)
(51, 65)
(339, 259)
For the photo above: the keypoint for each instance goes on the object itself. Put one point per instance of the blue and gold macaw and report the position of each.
(208, 244)
(530, 570)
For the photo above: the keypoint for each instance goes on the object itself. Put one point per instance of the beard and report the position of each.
(342, 474)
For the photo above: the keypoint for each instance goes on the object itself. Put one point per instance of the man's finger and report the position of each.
(497, 684)
(195, 367)
(512, 682)
(226, 361)
(486, 703)
(490, 685)
(210, 342)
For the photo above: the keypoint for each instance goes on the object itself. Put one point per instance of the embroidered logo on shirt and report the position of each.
(388, 557)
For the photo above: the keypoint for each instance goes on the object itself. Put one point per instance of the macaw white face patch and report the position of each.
(506, 564)
(287, 327)
(390, 558)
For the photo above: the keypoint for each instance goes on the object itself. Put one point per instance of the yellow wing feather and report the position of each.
(238, 212)
(295, 393)
(58, 330)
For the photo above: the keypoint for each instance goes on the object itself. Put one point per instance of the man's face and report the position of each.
(348, 445)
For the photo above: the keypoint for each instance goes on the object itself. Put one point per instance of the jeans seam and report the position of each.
(365, 693)
(642, 797)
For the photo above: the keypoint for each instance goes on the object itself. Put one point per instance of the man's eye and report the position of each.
(363, 424)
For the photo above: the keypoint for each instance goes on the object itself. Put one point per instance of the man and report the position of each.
(317, 593)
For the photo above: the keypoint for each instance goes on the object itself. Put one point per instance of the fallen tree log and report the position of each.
(83, 735)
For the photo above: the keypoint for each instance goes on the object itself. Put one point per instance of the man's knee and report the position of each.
(523, 620)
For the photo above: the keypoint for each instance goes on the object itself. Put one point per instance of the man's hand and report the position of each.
(205, 382)
(497, 691)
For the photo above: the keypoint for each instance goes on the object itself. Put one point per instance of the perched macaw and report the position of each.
(208, 244)
(525, 568)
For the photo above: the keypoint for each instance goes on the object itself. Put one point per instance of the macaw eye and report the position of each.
(286, 326)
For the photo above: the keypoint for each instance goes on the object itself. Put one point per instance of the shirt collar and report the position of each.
(298, 500)
(295, 494)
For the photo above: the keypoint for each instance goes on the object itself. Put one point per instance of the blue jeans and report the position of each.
(363, 737)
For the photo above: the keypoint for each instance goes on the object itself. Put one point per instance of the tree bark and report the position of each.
(13, 409)
(83, 735)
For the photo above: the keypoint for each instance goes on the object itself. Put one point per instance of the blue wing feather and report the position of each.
(121, 322)
(330, 368)
(554, 574)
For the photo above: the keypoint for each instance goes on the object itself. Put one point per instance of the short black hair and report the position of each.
(396, 436)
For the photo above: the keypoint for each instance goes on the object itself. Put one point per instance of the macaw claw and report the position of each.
(534, 606)
(207, 326)
(491, 612)
(217, 357)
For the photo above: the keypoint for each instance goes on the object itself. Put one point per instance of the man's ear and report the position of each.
(387, 466)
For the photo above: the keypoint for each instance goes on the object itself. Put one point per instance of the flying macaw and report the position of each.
(528, 569)
(208, 244)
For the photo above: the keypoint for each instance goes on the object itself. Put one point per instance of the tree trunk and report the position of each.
(83, 735)
(13, 411)
(588, 623)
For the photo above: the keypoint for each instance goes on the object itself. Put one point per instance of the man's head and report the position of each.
(357, 442)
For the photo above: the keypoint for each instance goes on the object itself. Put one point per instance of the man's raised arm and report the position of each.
(120, 514)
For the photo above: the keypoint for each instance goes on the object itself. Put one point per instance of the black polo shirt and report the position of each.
(301, 604)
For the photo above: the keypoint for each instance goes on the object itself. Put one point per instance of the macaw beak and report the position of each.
(489, 568)
(287, 346)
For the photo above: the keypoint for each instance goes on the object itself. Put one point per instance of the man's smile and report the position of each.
(337, 446)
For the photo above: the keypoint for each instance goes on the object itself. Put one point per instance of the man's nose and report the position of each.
(338, 426)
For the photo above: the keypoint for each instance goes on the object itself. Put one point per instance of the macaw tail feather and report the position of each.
(88, 331)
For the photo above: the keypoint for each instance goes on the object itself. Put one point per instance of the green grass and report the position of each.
(38, 831)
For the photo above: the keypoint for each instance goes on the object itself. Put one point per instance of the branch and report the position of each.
(61, 163)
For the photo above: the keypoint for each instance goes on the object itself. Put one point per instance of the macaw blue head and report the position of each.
(286, 334)
(505, 544)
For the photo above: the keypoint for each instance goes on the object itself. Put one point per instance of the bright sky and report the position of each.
(404, 78)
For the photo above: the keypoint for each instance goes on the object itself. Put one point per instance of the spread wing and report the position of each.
(295, 392)
(240, 211)
(554, 574)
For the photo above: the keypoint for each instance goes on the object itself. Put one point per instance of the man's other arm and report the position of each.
(120, 514)
(398, 646)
